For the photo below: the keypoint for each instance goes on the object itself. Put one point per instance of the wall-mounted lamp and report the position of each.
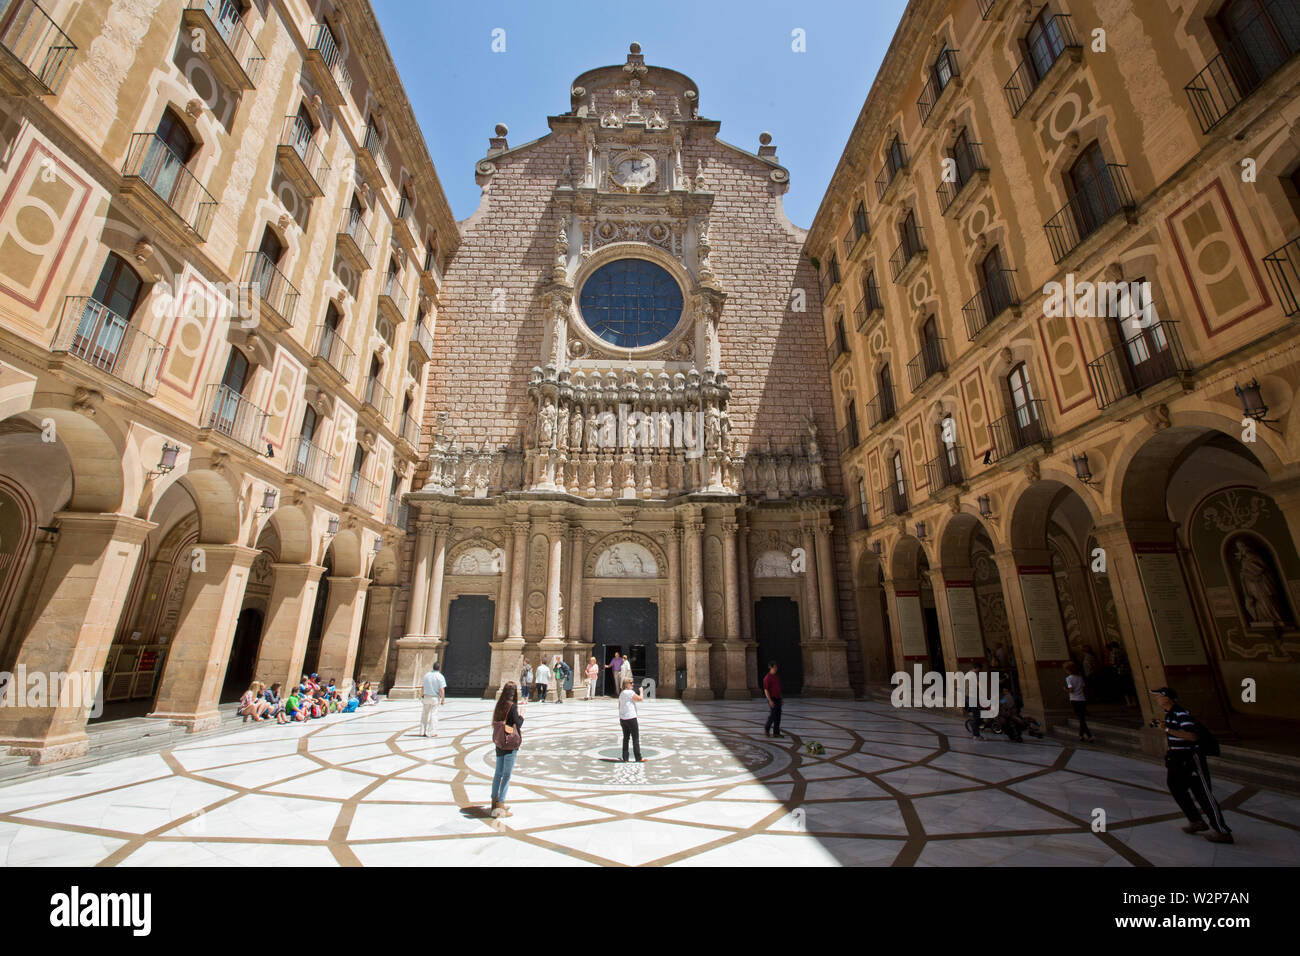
(270, 452)
(269, 497)
(920, 531)
(333, 527)
(1252, 401)
(168, 460)
(878, 547)
(986, 506)
(1081, 469)
(379, 545)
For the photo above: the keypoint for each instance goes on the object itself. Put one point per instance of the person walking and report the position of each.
(1186, 773)
(772, 691)
(615, 668)
(433, 693)
(542, 678)
(507, 737)
(593, 674)
(561, 671)
(1078, 700)
(627, 717)
(526, 681)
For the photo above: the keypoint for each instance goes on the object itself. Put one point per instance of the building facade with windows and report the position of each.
(221, 246)
(1059, 267)
(630, 444)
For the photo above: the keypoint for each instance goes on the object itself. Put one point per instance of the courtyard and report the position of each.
(894, 787)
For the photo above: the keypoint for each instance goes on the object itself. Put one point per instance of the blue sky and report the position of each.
(739, 53)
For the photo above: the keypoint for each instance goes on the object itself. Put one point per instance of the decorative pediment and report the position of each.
(773, 564)
(626, 554)
(476, 557)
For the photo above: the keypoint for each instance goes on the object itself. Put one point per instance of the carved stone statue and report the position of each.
(546, 425)
(575, 429)
(1258, 590)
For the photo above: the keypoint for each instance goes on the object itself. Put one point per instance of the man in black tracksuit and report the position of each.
(1188, 776)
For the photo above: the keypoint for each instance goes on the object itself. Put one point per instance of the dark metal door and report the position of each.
(467, 655)
(776, 622)
(631, 627)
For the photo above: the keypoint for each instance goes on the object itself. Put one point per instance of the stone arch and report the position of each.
(293, 529)
(635, 537)
(1032, 505)
(346, 551)
(217, 504)
(905, 557)
(94, 458)
(956, 536)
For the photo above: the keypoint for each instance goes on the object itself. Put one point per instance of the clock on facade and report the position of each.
(635, 172)
(631, 303)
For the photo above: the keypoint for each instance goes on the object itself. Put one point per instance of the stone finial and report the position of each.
(765, 147)
(498, 143)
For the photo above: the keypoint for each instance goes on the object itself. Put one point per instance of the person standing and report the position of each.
(542, 678)
(615, 668)
(561, 672)
(1078, 700)
(1186, 772)
(507, 737)
(772, 691)
(593, 674)
(627, 717)
(526, 680)
(433, 692)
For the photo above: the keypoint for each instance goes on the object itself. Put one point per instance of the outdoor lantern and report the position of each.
(379, 545)
(168, 460)
(920, 530)
(878, 547)
(1081, 469)
(268, 499)
(986, 506)
(333, 525)
(1252, 402)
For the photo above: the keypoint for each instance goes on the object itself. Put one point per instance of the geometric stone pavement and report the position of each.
(895, 787)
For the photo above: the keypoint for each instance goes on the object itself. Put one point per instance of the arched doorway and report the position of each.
(242, 663)
(467, 653)
(776, 626)
(629, 626)
(977, 608)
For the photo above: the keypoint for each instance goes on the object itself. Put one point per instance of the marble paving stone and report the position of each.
(852, 787)
(767, 851)
(137, 809)
(268, 817)
(45, 846)
(1079, 795)
(1274, 806)
(260, 773)
(637, 842)
(727, 813)
(875, 817)
(987, 768)
(430, 771)
(490, 850)
(391, 821)
(383, 766)
(197, 853)
(335, 784)
(1081, 849)
(927, 779)
(992, 810)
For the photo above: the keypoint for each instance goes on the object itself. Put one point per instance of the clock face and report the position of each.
(635, 172)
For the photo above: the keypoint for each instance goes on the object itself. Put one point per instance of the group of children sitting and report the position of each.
(310, 699)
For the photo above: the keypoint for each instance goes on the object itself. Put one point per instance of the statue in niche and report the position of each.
(665, 431)
(713, 433)
(547, 425)
(562, 431)
(593, 430)
(812, 432)
(1259, 592)
(575, 429)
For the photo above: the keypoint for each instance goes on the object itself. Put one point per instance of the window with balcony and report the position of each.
(227, 410)
(97, 329)
(1044, 43)
(430, 256)
(1098, 191)
(1023, 407)
(1263, 35)
(895, 157)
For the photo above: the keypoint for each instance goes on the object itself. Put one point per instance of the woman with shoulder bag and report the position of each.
(506, 735)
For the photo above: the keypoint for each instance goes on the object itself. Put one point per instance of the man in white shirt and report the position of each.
(542, 678)
(433, 691)
(627, 702)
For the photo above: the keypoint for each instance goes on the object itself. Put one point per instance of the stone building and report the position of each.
(629, 432)
(1059, 271)
(221, 239)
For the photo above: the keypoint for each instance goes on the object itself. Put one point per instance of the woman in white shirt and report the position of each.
(1078, 700)
(627, 702)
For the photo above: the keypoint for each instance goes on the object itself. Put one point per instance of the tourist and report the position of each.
(562, 673)
(593, 674)
(615, 668)
(543, 680)
(1078, 700)
(772, 691)
(433, 693)
(293, 708)
(507, 736)
(275, 705)
(627, 702)
(526, 681)
(1123, 673)
(1187, 774)
(1009, 716)
(252, 704)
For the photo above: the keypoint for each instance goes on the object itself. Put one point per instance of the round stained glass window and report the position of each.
(630, 303)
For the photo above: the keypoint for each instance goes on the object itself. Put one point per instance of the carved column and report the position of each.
(519, 565)
(673, 627)
(553, 640)
(503, 593)
(573, 619)
(698, 685)
(810, 595)
(510, 644)
(737, 687)
(419, 648)
(747, 607)
(419, 578)
(433, 610)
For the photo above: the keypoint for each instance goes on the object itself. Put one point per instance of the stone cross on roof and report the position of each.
(634, 94)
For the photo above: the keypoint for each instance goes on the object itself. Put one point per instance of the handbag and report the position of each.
(503, 739)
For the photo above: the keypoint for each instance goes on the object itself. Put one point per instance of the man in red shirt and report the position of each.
(772, 691)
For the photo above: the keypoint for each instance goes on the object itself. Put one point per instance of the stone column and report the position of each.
(743, 571)
(573, 619)
(518, 569)
(415, 610)
(200, 647)
(553, 639)
(341, 629)
(830, 654)
(673, 626)
(502, 616)
(372, 658)
(433, 609)
(737, 686)
(698, 686)
(418, 649)
(288, 621)
(1042, 684)
(80, 600)
(508, 647)
(811, 597)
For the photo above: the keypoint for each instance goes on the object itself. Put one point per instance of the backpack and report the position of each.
(1206, 742)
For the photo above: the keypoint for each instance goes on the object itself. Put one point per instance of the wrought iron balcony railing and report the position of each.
(362, 492)
(893, 499)
(95, 334)
(895, 162)
(1100, 199)
(398, 510)
(942, 74)
(849, 438)
(326, 50)
(911, 246)
(926, 363)
(1262, 47)
(869, 305)
(1284, 269)
(397, 298)
(331, 347)
(881, 408)
(227, 412)
(307, 460)
(1019, 430)
(839, 343)
(409, 430)
(378, 398)
(968, 161)
(1056, 38)
(151, 161)
(264, 278)
(422, 339)
(990, 301)
(301, 156)
(373, 148)
(223, 17)
(946, 470)
(40, 51)
(356, 241)
(1149, 356)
